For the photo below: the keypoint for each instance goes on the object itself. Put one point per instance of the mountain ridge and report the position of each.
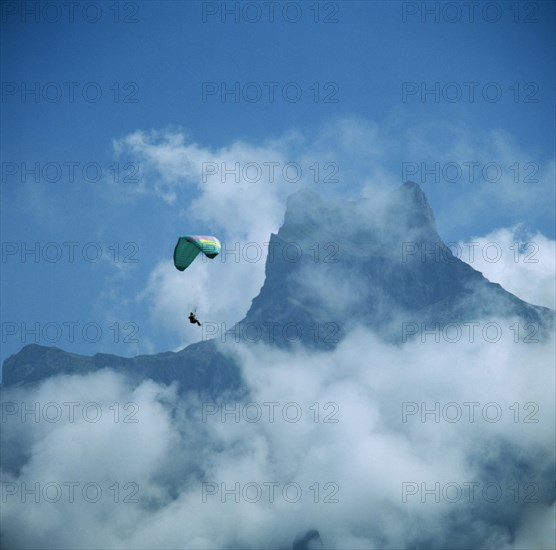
(332, 265)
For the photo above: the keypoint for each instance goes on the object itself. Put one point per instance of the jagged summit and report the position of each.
(399, 214)
(414, 189)
(416, 203)
(369, 262)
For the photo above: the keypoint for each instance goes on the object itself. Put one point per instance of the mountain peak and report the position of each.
(413, 186)
(362, 262)
(413, 202)
(406, 207)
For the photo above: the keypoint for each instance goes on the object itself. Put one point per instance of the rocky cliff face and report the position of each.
(338, 264)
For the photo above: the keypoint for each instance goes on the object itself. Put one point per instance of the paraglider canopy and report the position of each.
(189, 246)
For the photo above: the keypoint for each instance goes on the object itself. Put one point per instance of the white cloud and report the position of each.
(364, 457)
(522, 262)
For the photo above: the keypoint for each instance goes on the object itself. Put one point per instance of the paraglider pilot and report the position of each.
(193, 319)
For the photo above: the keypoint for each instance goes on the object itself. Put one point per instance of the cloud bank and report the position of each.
(374, 445)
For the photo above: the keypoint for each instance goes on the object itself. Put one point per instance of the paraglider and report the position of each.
(187, 249)
(189, 246)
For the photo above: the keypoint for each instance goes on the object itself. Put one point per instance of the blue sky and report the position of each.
(150, 68)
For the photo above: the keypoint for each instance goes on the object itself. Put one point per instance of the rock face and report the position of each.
(332, 265)
(339, 263)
